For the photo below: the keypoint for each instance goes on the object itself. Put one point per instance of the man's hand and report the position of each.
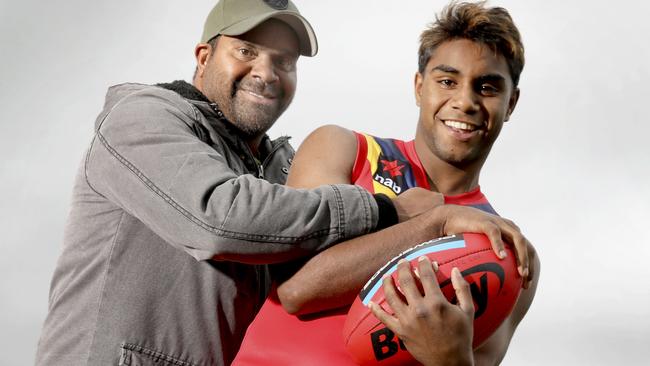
(459, 219)
(416, 201)
(435, 331)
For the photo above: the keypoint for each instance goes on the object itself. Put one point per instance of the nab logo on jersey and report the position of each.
(389, 174)
(385, 344)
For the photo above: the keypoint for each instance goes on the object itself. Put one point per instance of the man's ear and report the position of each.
(202, 54)
(512, 103)
(418, 87)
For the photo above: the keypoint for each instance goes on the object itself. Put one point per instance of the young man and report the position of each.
(175, 208)
(470, 60)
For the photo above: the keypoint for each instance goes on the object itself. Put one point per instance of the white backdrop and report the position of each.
(571, 167)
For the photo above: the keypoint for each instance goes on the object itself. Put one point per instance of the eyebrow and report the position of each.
(256, 46)
(491, 78)
(245, 43)
(445, 68)
(483, 78)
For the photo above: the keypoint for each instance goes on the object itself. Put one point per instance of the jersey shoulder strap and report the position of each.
(387, 166)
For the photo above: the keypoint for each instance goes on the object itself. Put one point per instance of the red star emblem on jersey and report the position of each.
(393, 168)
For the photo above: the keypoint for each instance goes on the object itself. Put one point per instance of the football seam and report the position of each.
(464, 255)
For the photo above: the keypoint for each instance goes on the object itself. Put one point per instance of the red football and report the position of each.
(495, 286)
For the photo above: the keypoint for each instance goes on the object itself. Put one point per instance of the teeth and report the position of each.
(459, 125)
(260, 96)
(254, 94)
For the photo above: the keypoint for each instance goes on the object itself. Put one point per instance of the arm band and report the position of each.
(387, 212)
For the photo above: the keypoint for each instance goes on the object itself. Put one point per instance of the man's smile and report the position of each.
(259, 97)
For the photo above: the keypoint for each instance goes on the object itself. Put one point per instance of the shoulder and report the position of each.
(331, 134)
(138, 103)
(127, 93)
(329, 141)
(325, 157)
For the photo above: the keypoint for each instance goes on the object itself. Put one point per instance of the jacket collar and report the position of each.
(233, 135)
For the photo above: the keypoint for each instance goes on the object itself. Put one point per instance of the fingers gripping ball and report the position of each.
(495, 286)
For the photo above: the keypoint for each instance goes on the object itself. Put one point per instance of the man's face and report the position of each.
(464, 95)
(251, 77)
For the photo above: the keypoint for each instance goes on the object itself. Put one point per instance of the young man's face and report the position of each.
(251, 77)
(464, 95)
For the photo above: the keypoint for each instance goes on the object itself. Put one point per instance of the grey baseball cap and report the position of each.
(235, 17)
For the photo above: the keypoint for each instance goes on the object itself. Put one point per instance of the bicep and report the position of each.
(325, 157)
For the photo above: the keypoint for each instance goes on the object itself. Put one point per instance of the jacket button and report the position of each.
(285, 170)
(290, 161)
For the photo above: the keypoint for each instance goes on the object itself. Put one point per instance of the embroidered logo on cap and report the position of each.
(277, 4)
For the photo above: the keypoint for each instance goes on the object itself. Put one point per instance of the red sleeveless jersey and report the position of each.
(277, 338)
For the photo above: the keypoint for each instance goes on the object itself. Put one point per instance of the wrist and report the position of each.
(468, 361)
(437, 220)
(454, 360)
(386, 211)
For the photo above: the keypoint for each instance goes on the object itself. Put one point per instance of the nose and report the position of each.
(264, 70)
(466, 100)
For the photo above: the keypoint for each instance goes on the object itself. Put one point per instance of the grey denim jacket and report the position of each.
(170, 230)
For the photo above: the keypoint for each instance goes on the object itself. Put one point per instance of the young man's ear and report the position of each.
(417, 84)
(512, 103)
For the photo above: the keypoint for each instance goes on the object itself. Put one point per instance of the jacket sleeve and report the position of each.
(146, 160)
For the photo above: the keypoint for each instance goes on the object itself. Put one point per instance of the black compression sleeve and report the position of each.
(387, 212)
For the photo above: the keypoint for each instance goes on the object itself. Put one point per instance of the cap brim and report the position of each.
(300, 25)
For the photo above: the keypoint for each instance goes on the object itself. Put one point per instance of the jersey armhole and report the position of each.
(360, 159)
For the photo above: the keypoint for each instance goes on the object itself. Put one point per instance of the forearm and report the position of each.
(333, 277)
(187, 193)
(494, 349)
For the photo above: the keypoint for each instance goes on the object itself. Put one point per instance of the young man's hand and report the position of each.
(434, 331)
(454, 219)
(416, 201)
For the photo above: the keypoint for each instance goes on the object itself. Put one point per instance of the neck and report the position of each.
(444, 177)
(254, 145)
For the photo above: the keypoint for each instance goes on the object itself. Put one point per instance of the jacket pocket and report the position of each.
(135, 355)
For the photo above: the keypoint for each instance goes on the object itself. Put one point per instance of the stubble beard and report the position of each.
(252, 119)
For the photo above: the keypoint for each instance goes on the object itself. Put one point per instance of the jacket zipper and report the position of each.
(260, 166)
(260, 169)
(278, 146)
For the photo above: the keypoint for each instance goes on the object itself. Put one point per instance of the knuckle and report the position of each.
(405, 278)
(462, 286)
(512, 223)
(426, 271)
(387, 281)
(519, 237)
(437, 305)
(495, 231)
(403, 265)
(532, 253)
(492, 229)
(427, 276)
(470, 311)
(421, 310)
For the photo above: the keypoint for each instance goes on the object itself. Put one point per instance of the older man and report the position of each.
(175, 203)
